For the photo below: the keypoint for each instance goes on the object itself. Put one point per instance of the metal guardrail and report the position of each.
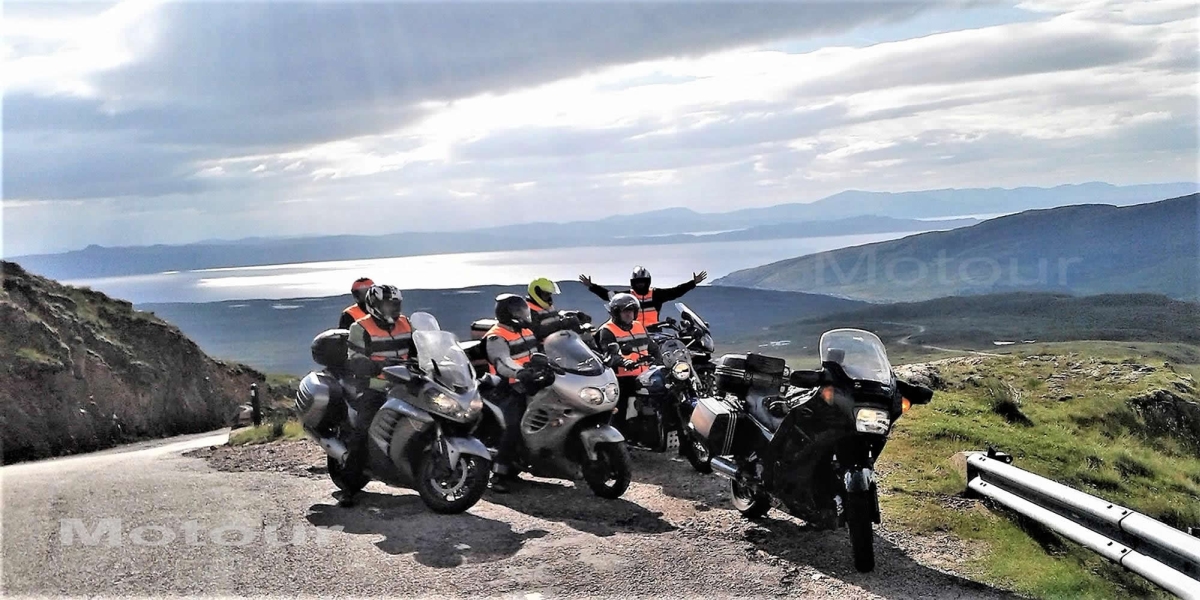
(1162, 554)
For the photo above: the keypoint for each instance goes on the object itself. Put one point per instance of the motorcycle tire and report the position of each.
(609, 476)
(695, 452)
(343, 480)
(751, 505)
(469, 479)
(862, 534)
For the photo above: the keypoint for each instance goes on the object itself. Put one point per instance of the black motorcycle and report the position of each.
(810, 451)
(667, 396)
(694, 333)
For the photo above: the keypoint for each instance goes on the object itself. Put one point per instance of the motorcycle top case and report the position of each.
(717, 424)
(320, 400)
(480, 328)
(737, 374)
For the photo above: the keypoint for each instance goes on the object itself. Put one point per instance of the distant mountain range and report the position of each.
(1087, 249)
(846, 213)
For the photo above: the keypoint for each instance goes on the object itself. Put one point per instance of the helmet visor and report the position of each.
(390, 309)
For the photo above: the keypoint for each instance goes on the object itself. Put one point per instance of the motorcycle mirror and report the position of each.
(614, 349)
(806, 379)
(539, 360)
(488, 381)
(916, 394)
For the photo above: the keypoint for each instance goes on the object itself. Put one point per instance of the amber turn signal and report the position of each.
(904, 405)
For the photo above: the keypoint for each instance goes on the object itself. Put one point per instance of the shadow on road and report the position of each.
(678, 480)
(579, 509)
(408, 527)
(896, 575)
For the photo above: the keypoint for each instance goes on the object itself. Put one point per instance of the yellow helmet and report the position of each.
(540, 290)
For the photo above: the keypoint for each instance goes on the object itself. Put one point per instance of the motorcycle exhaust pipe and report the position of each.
(334, 448)
(724, 468)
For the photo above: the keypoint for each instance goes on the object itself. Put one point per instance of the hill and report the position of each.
(82, 371)
(274, 334)
(846, 213)
(979, 321)
(1087, 249)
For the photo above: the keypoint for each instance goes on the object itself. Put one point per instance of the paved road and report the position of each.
(907, 341)
(673, 534)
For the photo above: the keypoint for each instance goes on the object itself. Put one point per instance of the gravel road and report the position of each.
(673, 534)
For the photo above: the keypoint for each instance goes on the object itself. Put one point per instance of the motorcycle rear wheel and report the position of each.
(751, 505)
(609, 475)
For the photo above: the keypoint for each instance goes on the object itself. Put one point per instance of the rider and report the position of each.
(380, 339)
(357, 310)
(510, 344)
(650, 299)
(547, 320)
(636, 348)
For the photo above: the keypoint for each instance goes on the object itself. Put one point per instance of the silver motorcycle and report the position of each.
(565, 431)
(423, 436)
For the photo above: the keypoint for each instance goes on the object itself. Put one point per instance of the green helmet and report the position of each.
(540, 291)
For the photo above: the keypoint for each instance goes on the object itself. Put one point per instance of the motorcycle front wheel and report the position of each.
(343, 479)
(610, 473)
(449, 490)
(862, 534)
(695, 451)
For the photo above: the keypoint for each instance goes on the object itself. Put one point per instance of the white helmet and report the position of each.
(384, 303)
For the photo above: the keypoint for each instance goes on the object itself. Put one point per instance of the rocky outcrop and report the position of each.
(1166, 413)
(81, 371)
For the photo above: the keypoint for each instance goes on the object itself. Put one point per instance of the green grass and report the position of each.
(268, 432)
(1092, 442)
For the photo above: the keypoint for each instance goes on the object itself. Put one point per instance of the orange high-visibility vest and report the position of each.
(385, 344)
(521, 344)
(355, 312)
(634, 343)
(648, 314)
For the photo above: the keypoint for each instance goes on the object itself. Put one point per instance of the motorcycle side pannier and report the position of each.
(737, 373)
(716, 422)
(320, 401)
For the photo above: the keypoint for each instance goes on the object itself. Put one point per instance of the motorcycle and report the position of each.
(422, 437)
(695, 334)
(811, 451)
(565, 431)
(666, 397)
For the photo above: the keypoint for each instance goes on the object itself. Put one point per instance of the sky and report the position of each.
(142, 122)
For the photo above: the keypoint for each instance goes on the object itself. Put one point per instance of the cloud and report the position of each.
(262, 118)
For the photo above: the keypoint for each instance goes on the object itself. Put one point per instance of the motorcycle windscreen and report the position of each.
(690, 315)
(860, 353)
(440, 356)
(567, 352)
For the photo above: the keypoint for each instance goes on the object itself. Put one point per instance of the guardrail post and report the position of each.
(255, 405)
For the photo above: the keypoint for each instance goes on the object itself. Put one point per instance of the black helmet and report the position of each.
(513, 311)
(639, 280)
(330, 347)
(621, 303)
(384, 303)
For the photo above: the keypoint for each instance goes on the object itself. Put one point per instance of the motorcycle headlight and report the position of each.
(872, 420)
(592, 396)
(476, 405)
(681, 371)
(442, 404)
(612, 392)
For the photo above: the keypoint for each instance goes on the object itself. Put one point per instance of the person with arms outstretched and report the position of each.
(650, 299)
